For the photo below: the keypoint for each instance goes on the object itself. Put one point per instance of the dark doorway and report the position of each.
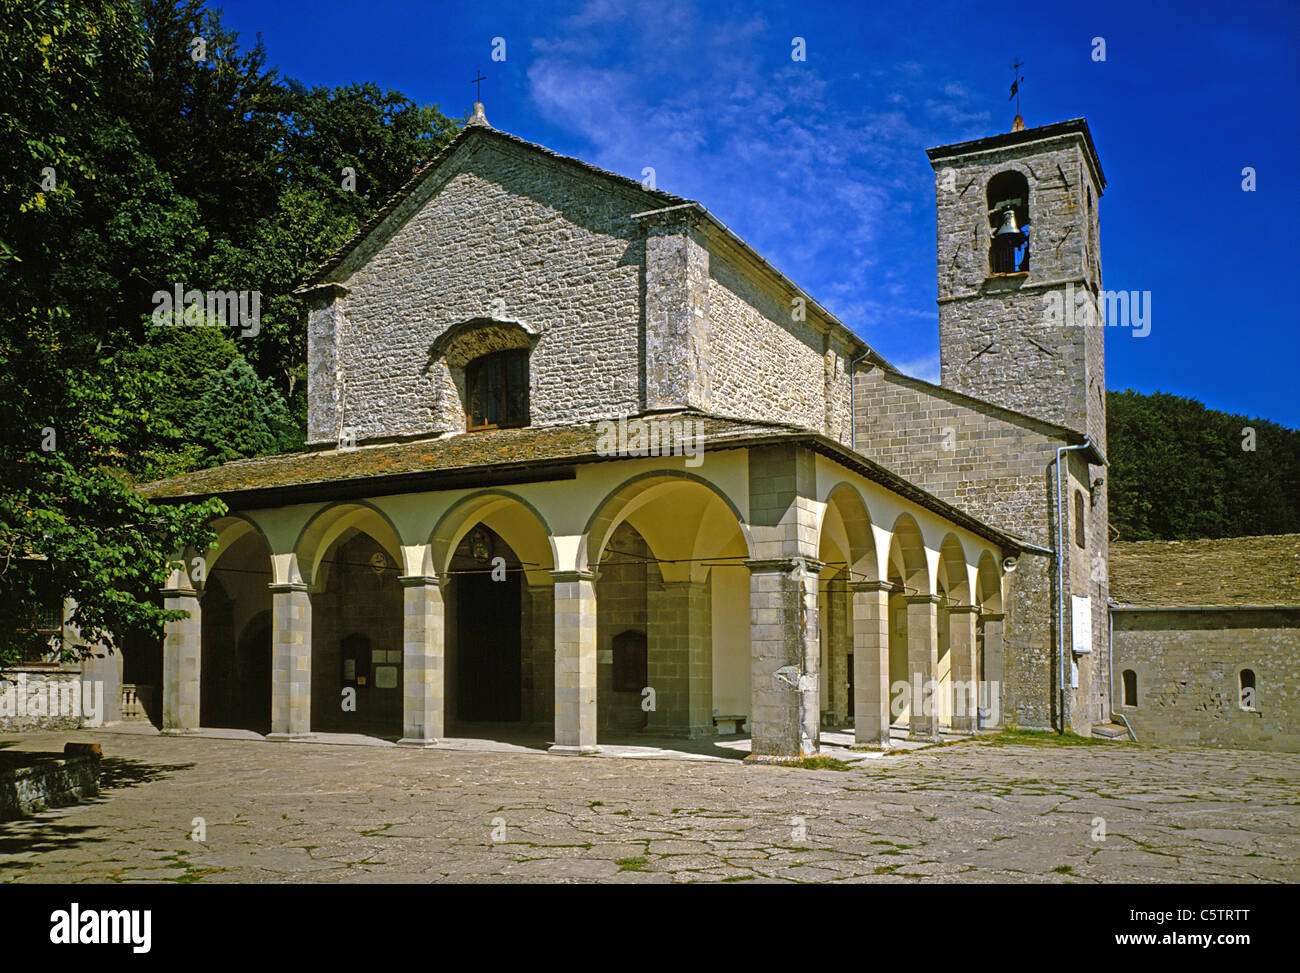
(488, 642)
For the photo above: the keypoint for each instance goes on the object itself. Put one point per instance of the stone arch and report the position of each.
(463, 342)
(988, 584)
(907, 552)
(327, 525)
(640, 491)
(952, 570)
(508, 514)
(847, 521)
(231, 529)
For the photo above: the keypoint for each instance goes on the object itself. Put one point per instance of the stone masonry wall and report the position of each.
(996, 342)
(1188, 667)
(498, 232)
(998, 468)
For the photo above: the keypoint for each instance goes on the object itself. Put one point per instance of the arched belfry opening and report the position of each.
(1008, 213)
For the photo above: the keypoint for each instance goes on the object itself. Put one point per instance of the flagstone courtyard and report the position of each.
(971, 811)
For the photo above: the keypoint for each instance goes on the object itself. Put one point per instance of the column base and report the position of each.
(289, 737)
(417, 743)
(771, 758)
(177, 732)
(564, 751)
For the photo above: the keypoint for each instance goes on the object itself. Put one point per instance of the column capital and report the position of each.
(871, 586)
(993, 616)
(963, 609)
(180, 592)
(421, 581)
(784, 565)
(923, 599)
(288, 586)
(564, 577)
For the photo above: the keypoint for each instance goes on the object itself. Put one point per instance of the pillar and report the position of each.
(785, 657)
(290, 662)
(923, 664)
(994, 678)
(423, 661)
(965, 672)
(575, 662)
(871, 713)
(182, 657)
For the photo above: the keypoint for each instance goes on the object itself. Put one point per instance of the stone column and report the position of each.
(785, 657)
(575, 662)
(423, 658)
(994, 667)
(290, 662)
(965, 671)
(871, 713)
(182, 662)
(923, 664)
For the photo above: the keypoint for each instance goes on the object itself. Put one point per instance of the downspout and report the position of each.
(1110, 659)
(853, 402)
(1060, 576)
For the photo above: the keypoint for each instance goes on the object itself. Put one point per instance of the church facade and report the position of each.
(580, 458)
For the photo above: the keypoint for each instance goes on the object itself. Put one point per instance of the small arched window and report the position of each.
(1080, 530)
(1008, 202)
(1130, 688)
(1246, 689)
(496, 390)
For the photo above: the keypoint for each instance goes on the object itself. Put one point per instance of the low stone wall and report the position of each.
(47, 782)
(40, 699)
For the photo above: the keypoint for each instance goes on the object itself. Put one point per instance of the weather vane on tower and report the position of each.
(1016, 79)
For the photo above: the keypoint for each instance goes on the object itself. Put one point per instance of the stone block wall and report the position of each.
(502, 232)
(621, 599)
(995, 340)
(1188, 667)
(999, 468)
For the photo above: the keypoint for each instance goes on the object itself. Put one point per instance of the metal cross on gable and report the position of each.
(478, 91)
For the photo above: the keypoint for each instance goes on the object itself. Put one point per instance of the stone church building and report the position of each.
(580, 458)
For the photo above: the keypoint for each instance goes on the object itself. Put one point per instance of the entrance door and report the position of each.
(487, 648)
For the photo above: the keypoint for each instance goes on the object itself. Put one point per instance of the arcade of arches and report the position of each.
(782, 590)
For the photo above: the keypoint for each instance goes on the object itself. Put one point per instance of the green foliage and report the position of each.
(128, 167)
(1179, 471)
(239, 415)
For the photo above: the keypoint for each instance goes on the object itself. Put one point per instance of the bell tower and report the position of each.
(1019, 273)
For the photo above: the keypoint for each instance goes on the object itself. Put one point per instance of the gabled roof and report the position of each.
(657, 201)
(530, 454)
(1229, 572)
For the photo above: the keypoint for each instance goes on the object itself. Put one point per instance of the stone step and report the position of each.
(1109, 731)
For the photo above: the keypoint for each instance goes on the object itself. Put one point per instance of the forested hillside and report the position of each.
(1179, 470)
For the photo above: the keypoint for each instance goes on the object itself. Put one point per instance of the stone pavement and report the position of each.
(970, 811)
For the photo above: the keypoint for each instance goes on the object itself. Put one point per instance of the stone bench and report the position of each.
(730, 723)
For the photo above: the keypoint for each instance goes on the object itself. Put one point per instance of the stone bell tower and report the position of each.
(1020, 271)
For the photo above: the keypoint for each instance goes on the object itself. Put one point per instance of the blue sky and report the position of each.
(820, 165)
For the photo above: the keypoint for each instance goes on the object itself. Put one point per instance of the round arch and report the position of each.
(952, 570)
(330, 523)
(907, 551)
(988, 584)
(847, 521)
(640, 491)
(509, 514)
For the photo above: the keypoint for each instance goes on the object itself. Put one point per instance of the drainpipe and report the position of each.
(853, 402)
(1060, 575)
